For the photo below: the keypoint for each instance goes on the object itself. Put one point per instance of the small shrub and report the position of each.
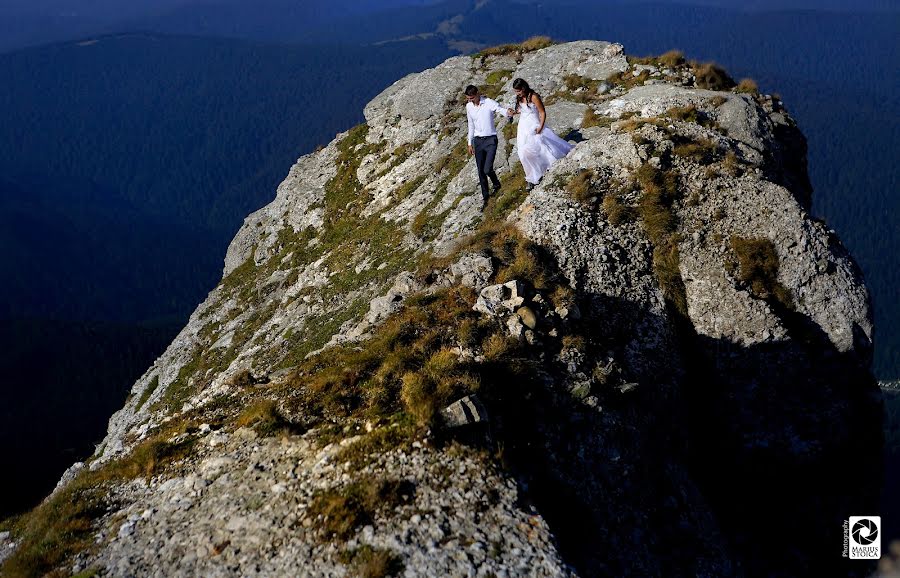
(672, 58)
(690, 113)
(591, 118)
(265, 419)
(496, 346)
(732, 165)
(711, 76)
(687, 113)
(345, 509)
(536, 43)
(617, 210)
(666, 262)
(529, 45)
(573, 341)
(748, 86)
(580, 185)
(718, 101)
(755, 266)
(702, 151)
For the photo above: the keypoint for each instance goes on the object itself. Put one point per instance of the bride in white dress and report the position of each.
(538, 146)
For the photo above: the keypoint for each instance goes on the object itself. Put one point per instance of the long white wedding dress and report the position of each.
(537, 151)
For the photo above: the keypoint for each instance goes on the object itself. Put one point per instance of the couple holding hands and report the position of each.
(538, 146)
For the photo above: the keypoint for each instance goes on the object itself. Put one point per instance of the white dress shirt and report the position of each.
(481, 117)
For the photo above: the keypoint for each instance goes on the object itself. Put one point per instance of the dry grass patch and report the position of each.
(754, 263)
(369, 562)
(747, 86)
(672, 58)
(513, 191)
(627, 79)
(732, 165)
(580, 185)
(617, 210)
(711, 76)
(529, 45)
(591, 118)
(265, 419)
(702, 151)
(341, 511)
(63, 525)
(655, 208)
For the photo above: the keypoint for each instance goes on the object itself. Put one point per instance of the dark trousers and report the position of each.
(485, 150)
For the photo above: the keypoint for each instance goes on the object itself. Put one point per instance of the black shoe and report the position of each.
(483, 203)
(497, 189)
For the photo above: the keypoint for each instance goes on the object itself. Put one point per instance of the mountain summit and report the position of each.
(656, 362)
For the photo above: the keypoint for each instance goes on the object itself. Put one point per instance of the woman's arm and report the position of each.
(541, 112)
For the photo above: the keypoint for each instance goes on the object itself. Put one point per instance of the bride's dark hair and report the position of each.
(520, 84)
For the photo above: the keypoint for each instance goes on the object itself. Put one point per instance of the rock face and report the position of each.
(673, 354)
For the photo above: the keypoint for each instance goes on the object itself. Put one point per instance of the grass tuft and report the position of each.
(672, 58)
(711, 76)
(591, 118)
(343, 510)
(617, 210)
(580, 185)
(529, 45)
(702, 151)
(265, 419)
(369, 562)
(148, 391)
(754, 263)
(748, 86)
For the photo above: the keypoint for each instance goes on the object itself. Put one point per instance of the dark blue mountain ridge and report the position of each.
(128, 165)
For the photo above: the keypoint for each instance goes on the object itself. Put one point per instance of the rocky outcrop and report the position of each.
(670, 354)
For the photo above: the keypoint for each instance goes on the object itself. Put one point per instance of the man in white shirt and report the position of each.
(480, 112)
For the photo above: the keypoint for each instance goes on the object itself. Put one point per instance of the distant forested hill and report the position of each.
(187, 129)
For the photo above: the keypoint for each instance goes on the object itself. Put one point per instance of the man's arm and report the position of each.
(496, 106)
(471, 129)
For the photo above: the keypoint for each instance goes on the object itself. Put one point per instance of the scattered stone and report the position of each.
(474, 270)
(465, 411)
(499, 299)
(528, 317)
(515, 327)
(627, 387)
